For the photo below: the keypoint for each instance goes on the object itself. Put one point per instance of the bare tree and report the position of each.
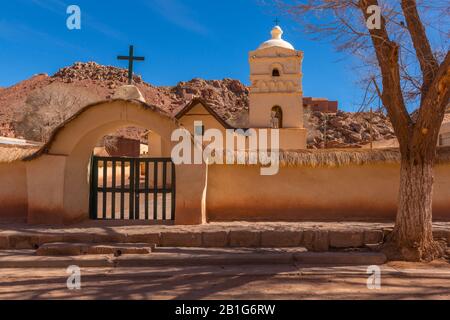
(46, 108)
(398, 57)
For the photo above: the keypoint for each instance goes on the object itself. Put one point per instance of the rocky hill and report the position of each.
(227, 97)
(32, 108)
(344, 129)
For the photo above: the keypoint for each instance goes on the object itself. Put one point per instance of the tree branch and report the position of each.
(427, 61)
(387, 53)
(431, 113)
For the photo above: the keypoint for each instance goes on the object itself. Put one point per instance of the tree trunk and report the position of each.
(412, 238)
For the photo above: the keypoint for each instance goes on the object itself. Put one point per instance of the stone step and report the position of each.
(319, 240)
(178, 257)
(77, 249)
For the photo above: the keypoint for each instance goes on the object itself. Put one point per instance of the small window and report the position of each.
(275, 73)
(199, 131)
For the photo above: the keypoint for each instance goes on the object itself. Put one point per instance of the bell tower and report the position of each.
(276, 84)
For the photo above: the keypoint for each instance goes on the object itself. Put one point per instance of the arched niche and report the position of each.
(277, 115)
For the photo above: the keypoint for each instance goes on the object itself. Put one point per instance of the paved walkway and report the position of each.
(398, 281)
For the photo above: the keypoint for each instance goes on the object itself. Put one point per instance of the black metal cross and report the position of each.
(131, 58)
(277, 21)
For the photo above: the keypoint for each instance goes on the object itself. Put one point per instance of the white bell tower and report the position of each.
(276, 84)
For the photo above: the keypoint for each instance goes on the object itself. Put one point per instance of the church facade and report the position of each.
(275, 99)
(59, 183)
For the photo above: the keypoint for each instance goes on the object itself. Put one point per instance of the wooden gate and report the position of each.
(132, 189)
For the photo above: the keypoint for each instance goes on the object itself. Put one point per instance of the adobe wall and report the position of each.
(13, 191)
(232, 192)
(444, 135)
(366, 192)
(45, 180)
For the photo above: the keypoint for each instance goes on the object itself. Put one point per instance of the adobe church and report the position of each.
(62, 182)
(275, 98)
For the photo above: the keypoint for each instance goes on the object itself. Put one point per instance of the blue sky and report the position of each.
(181, 40)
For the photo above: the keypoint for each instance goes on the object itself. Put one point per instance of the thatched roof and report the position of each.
(12, 153)
(343, 157)
(333, 157)
(292, 158)
(338, 157)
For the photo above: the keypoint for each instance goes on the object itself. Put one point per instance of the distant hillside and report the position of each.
(32, 108)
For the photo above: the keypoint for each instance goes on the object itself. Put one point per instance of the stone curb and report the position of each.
(176, 260)
(317, 240)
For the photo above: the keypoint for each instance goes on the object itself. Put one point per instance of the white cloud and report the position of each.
(178, 14)
(22, 33)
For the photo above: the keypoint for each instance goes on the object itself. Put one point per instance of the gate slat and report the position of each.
(104, 186)
(122, 190)
(132, 177)
(172, 187)
(113, 194)
(137, 180)
(155, 191)
(164, 193)
(94, 189)
(147, 167)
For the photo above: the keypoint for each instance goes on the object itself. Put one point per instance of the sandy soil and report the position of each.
(398, 281)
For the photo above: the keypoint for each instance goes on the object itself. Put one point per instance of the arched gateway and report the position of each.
(58, 175)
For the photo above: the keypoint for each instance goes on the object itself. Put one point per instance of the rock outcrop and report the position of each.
(347, 130)
(107, 75)
(228, 97)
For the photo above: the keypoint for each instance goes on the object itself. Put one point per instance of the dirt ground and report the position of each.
(398, 281)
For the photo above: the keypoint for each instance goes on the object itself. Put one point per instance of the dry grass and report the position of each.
(11, 153)
(292, 158)
(336, 157)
